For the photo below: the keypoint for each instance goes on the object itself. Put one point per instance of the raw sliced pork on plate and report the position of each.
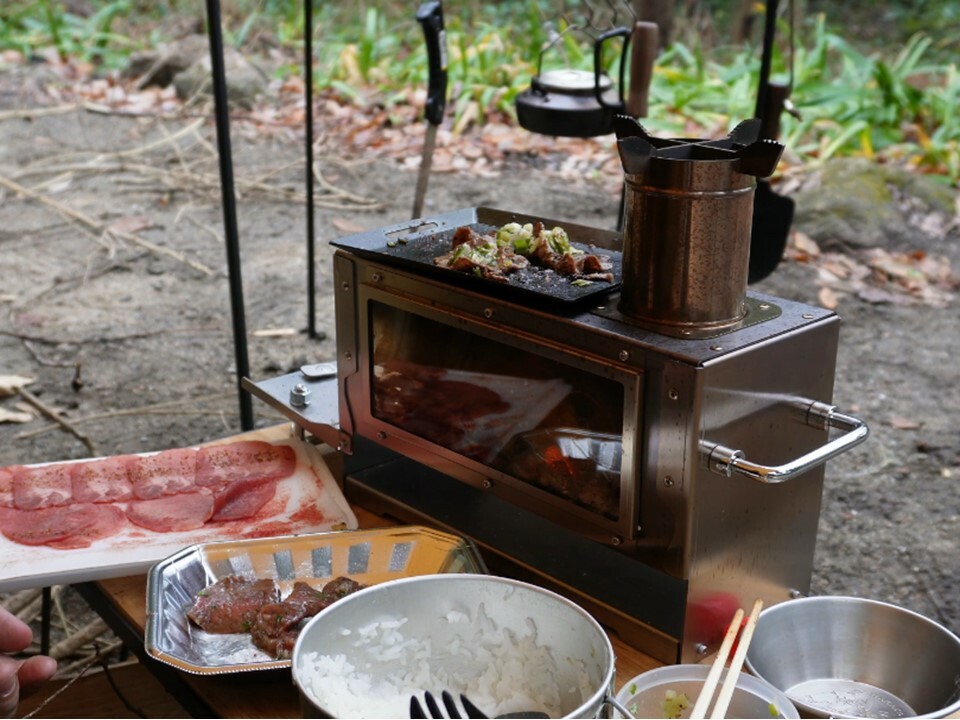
(84, 520)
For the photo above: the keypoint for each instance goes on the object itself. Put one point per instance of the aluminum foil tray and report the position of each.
(367, 556)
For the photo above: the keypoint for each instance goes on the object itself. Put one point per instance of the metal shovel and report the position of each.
(772, 213)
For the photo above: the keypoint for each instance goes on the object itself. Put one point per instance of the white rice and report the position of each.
(499, 670)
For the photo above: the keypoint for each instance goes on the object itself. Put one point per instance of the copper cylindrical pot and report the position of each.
(688, 216)
(686, 244)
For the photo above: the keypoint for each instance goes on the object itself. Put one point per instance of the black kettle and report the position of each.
(575, 103)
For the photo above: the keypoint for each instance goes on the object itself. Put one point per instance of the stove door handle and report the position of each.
(727, 461)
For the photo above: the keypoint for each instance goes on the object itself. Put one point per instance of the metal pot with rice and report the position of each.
(507, 645)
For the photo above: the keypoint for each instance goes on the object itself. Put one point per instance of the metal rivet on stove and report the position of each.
(616, 540)
(381, 435)
(668, 481)
(624, 355)
(807, 316)
(345, 285)
(299, 395)
(488, 313)
(716, 348)
(700, 649)
(672, 394)
(487, 483)
(377, 277)
(764, 306)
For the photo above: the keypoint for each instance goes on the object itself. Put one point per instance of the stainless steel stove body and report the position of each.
(663, 481)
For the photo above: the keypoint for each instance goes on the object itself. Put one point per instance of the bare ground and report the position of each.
(114, 297)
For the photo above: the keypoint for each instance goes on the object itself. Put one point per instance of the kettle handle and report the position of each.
(625, 33)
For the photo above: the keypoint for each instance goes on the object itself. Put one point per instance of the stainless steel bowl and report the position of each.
(646, 695)
(454, 617)
(855, 658)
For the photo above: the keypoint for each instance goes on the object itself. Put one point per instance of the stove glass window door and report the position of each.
(548, 424)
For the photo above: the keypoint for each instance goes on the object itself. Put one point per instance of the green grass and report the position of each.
(31, 26)
(900, 102)
(900, 105)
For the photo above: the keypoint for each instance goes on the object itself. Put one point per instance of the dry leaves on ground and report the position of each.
(369, 129)
(876, 275)
(10, 384)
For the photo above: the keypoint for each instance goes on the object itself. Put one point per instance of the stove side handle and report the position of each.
(727, 461)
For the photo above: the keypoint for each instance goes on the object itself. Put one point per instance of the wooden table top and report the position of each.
(272, 694)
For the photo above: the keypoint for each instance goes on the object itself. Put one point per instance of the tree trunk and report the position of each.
(743, 22)
(659, 12)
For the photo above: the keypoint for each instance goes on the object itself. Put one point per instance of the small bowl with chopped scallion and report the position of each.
(672, 691)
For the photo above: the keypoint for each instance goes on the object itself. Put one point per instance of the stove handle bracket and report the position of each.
(727, 461)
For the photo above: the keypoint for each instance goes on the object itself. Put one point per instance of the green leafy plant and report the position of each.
(29, 27)
(851, 100)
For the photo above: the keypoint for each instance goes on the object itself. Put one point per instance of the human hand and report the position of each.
(18, 678)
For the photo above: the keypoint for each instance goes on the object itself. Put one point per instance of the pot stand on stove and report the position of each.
(661, 481)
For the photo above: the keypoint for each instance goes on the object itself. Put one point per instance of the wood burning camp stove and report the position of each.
(653, 448)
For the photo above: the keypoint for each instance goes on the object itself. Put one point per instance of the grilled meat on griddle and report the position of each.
(516, 247)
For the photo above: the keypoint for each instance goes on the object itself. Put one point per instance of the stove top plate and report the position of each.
(415, 244)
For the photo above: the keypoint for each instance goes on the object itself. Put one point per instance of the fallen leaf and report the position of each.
(59, 187)
(9, 416)
(876, 295)
(827, 298)
(901, 423)
(131, 224)
(805, 244)
(10, 384)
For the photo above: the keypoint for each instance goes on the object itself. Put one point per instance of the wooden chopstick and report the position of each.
(710, 684)
(730, 683)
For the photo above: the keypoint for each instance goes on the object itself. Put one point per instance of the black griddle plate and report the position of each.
(415, 243)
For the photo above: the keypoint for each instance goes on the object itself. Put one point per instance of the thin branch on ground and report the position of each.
(187, 177)
(327, 185)
(52, 414)
(19, 600)
(31, 113)
(195, 412)
(206, 228)
(110, 338)
(32, 609)
(172, 407)
(80, 668)
(44, 361)
(94, 157)
(90, 222)
(76, 640)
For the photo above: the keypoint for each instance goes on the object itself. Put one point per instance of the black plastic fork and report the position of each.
(449, 704)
